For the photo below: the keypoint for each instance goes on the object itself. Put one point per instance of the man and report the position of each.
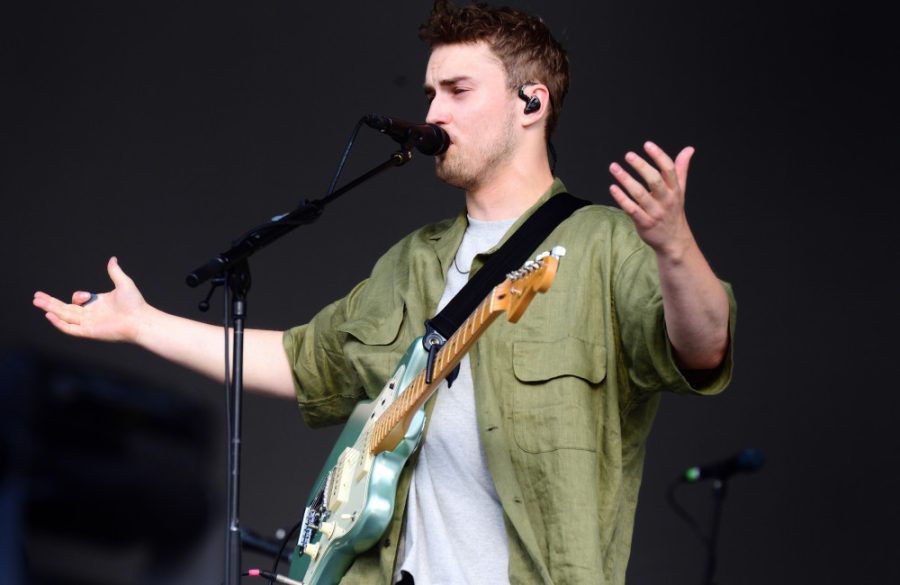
(532, 461)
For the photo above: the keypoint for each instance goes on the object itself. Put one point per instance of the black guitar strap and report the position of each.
(517, 249)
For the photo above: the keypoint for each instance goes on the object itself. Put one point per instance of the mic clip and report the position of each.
(215, 283)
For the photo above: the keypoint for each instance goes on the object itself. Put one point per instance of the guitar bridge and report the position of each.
(307, 527)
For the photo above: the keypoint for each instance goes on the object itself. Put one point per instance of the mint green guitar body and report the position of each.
(354, 496)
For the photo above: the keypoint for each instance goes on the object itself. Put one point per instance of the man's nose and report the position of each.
(437, 113)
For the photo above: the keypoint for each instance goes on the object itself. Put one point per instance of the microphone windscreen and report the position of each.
(430, 139)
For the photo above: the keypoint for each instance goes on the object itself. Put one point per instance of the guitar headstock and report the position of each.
(514, 294)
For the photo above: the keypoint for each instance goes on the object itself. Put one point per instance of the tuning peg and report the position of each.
(558, 251)
(541, 256)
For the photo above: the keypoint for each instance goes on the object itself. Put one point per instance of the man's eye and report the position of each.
(459, 90)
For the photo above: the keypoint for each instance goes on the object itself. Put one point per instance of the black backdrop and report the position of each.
(158, 133)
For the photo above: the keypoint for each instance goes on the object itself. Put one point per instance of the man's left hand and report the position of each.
(656, 208)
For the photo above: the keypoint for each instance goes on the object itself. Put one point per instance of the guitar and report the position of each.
(353, 500)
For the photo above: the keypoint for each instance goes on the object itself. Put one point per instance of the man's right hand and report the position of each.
(113, 316)
(122, 314)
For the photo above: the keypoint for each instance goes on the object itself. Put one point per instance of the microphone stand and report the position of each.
(232, 269)
(710, 540)
(719, 491)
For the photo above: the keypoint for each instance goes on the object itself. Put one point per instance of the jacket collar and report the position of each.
(448, 234)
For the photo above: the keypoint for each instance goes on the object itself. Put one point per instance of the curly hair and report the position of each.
(522, 42)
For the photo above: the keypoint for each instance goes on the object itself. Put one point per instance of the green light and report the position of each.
(692, 474)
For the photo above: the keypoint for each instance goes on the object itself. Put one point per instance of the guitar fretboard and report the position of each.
(390, 426)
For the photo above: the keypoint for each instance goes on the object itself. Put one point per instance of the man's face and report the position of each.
(468, 97)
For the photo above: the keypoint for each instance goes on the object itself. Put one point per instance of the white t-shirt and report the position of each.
(454, 531)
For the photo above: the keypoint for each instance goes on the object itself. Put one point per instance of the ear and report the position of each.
(536, 116)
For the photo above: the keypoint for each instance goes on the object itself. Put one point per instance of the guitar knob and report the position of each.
(327, 528)
(312, 550)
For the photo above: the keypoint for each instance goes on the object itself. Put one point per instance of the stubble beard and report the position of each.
(469, 171)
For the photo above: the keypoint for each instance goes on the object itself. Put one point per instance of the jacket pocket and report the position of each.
(555, 403)
(373, 344)
(375, 324)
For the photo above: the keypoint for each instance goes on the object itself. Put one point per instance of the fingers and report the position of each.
(664, 164)
(667, 178)
(43, 301)
(65, 327)
(67, 313)
(657, 186)
(66, 318)
(631, 185)
(638, 215)
(655, 182)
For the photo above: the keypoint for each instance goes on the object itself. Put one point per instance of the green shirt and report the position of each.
(565, 398)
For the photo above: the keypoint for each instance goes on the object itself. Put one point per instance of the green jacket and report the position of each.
(565, 398)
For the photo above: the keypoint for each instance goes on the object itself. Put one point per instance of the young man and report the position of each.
(532, 461)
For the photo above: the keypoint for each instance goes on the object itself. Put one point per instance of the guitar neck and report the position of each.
(392, 422)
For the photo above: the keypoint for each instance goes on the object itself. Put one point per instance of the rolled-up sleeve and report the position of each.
(327, 386)
(642, 327)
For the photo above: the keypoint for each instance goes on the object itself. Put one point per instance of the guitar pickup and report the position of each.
(343, 478)
(364, 469)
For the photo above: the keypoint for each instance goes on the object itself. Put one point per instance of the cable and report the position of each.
(277, 220)
(227, 324)
(553, 160)
(284, 542)
(683, 514)
(344, 156)
(271, 577)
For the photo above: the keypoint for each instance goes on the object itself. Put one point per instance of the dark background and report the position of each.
(157, 133)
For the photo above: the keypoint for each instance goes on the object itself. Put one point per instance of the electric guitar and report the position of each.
(353, 500)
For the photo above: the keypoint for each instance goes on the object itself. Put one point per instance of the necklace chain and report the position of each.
(458, 269)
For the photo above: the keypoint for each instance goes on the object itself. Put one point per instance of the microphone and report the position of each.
(747, 460)
(428, 139)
